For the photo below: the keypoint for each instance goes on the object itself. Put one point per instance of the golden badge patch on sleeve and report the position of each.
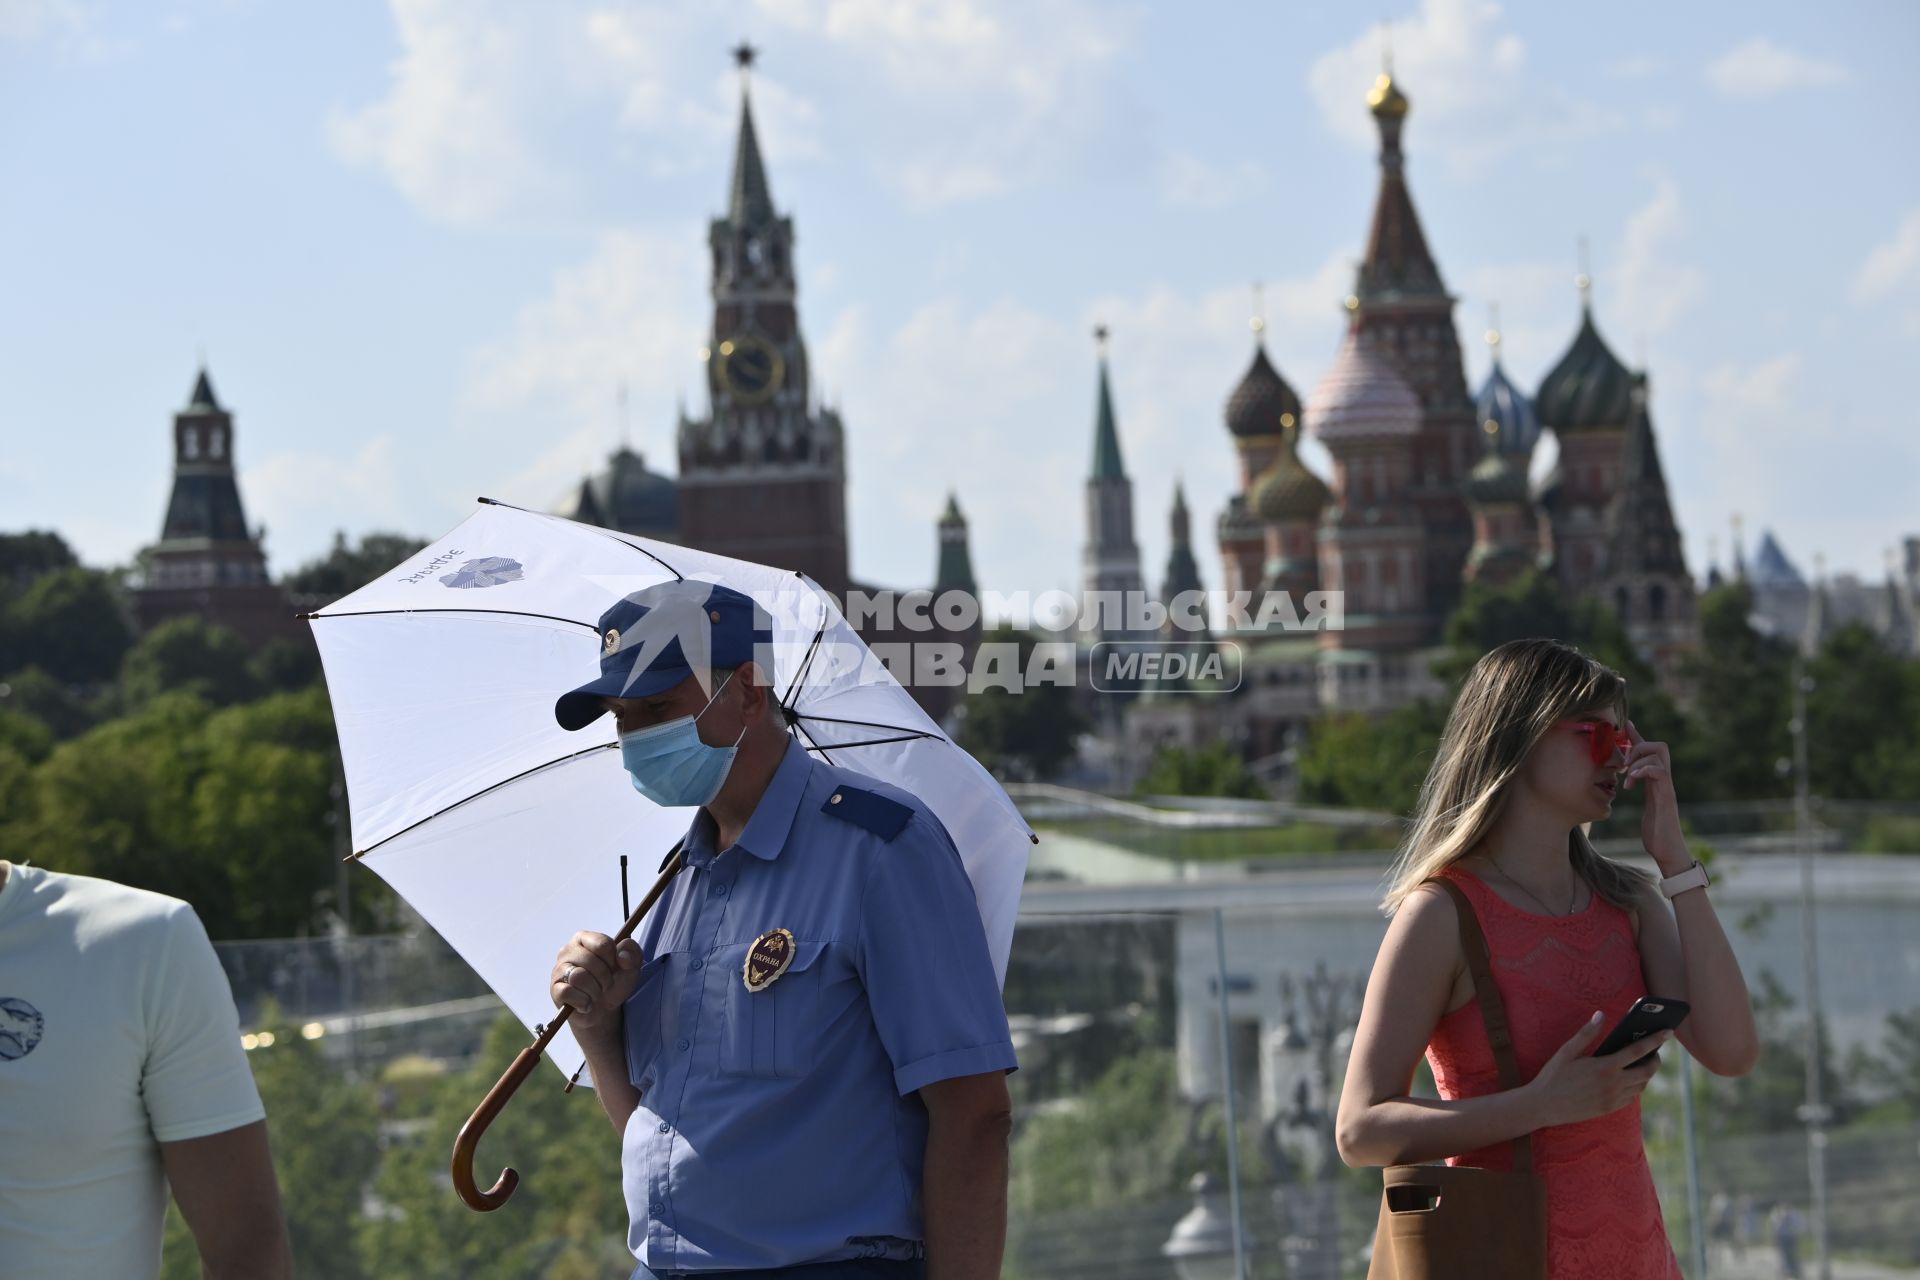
(767, 959)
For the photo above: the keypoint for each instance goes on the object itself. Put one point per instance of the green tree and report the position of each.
(1533, 605)
(348, 568)
(188, 655)
(1861, 731)
(70, 622)
(567, 1220)
(1212, 770)
(284, 665)
(323, 1125)
(1024, 734)
(35, 693)
(24, 733)
(1897, 1068)
(25, 556)
(1768, 1099)
(1741, 682)
(1371, 763)
(228, 809)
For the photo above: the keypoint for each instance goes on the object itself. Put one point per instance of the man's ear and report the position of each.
(759, 692)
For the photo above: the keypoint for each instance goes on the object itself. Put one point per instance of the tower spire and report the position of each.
(1258, 321)
(750, 199)
(1106, 435)
(1397, 261)
(1583, 279)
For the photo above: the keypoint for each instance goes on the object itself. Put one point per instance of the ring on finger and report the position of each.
(566, 974)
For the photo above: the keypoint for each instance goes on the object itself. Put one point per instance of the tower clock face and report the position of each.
(751, 369)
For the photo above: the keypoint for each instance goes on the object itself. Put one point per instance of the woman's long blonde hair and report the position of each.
(1510, 699)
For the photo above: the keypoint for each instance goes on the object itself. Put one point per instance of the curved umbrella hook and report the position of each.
(467, 1144)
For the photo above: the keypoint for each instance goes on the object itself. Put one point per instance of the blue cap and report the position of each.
(655, 638)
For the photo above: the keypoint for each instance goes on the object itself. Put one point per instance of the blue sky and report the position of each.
(422, 243)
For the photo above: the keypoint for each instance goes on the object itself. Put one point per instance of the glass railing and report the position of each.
(1183, 1028)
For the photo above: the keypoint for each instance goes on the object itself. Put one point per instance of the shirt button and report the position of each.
(834, 798)
(665, 1127)
(681, 1045)
(720, 891)
(698, 965)
(655, 1208)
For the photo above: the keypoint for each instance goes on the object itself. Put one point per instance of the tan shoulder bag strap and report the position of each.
(1493, 1012)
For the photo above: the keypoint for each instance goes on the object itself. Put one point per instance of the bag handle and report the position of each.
(1493, 1011)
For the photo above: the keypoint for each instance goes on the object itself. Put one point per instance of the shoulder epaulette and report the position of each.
(869, 810)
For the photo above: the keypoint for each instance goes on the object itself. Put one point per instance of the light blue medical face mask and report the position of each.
(671, 766)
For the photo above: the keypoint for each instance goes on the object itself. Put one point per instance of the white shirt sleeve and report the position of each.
(196, 1080)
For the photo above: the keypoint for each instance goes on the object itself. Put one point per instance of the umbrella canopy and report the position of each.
(505, 831)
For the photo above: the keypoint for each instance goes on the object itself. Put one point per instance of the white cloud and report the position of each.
(1013, 92)
(1467, 78)
(1769, 449)
(1655, 289)
(996, 401)
(1759, 69)
(452, 132)
(1188, 180)
(1638, 67)
(26, 21)
(310, 495)
(632, 313)
(1537, 318)
(1892, 265)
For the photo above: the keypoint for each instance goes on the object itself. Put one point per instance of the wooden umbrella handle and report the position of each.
(468, 1142)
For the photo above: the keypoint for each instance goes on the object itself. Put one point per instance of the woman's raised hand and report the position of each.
(1652, 763)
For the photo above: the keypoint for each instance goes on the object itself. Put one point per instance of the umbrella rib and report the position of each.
(805, 663)
(361, 853)
(865, 724)
(677, 575)
(872, 742)
(815, 742)
(506, 613)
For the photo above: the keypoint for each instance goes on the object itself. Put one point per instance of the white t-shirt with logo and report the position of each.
(117, 1031)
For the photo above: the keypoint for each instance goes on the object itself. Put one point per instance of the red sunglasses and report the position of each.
(1602, 738)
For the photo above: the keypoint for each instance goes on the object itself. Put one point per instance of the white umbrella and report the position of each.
(506, 832)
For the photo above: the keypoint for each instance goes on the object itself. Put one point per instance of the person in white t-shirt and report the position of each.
(121, 1072)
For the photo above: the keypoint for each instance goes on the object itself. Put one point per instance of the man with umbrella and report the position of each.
(804, 1045)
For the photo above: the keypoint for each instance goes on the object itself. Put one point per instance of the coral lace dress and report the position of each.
(1603, 1217)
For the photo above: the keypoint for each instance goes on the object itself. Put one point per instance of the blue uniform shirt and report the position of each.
(780, 1126)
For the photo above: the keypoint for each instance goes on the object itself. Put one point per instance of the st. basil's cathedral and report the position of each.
(1429, 491)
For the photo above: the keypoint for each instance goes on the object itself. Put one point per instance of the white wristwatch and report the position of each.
(1694, 877)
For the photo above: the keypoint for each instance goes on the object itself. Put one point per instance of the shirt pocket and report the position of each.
(640, 1022)
(770, 1034)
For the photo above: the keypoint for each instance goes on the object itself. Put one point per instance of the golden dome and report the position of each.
(1385, 99)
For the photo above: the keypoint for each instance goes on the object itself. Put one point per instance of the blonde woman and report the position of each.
(1536, 745)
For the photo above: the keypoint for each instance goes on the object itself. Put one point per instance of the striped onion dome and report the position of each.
(1362, 396)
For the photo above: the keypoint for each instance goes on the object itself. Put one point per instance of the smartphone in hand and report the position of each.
(1648, 1015)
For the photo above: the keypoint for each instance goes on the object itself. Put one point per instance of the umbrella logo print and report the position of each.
(20, 1027)
(487, 571)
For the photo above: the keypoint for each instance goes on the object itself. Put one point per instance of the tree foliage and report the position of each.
(1742, 684)
(1211, 770)
(70, 622)
(230, 809)
(567, 1220)
(323, 1127)
(1371, 762)
(1863, 741)
(348, 568)
(26, 556)
(188, 655)
(1023, 734)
